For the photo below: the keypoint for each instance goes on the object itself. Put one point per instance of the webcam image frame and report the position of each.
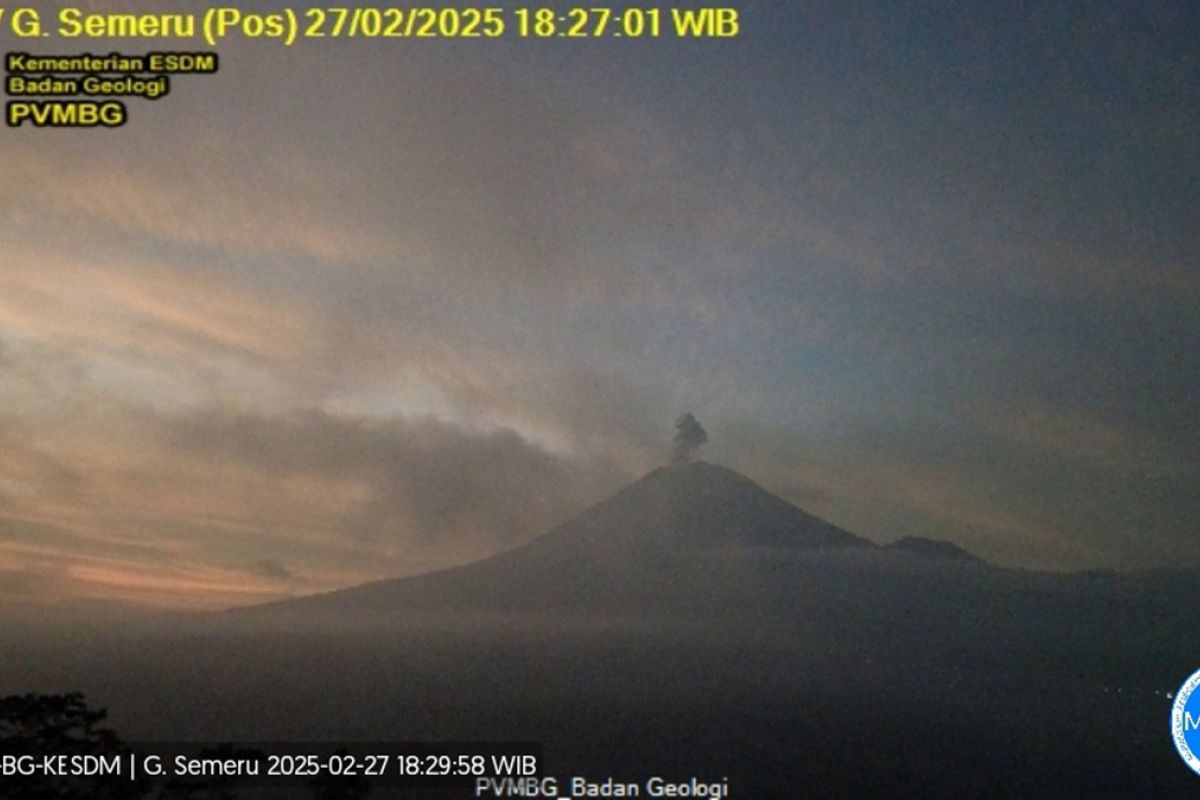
(736, 400)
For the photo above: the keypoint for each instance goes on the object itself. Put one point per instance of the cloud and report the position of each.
(21, 583)
(421, 478)
(344, 497)
(269, 568)
(958, 474)
(1080, 435)
(42, 570)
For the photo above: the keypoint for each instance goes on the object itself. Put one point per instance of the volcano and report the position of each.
(697, 505)
(693, 537)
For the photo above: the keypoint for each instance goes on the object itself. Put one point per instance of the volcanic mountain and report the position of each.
(694, 537)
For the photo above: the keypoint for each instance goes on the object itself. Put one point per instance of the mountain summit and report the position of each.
(682, 533)
(694, 505)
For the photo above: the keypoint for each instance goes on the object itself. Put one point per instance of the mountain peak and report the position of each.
(697, 503)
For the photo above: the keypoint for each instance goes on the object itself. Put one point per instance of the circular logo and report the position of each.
(1185, 722)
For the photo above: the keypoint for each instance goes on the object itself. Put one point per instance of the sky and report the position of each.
(351, 310)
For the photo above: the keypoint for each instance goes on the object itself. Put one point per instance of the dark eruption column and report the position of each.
(689, 435)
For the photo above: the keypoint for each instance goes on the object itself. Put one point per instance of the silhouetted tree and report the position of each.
(61, 724)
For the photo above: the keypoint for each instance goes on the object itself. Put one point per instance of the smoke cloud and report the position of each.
(689, 435)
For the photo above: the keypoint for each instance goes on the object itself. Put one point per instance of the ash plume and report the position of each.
(689, 435)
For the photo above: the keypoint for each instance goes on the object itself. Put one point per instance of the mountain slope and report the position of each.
(696, 538)
(629, 543)
(688, 506)
(932, 548)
